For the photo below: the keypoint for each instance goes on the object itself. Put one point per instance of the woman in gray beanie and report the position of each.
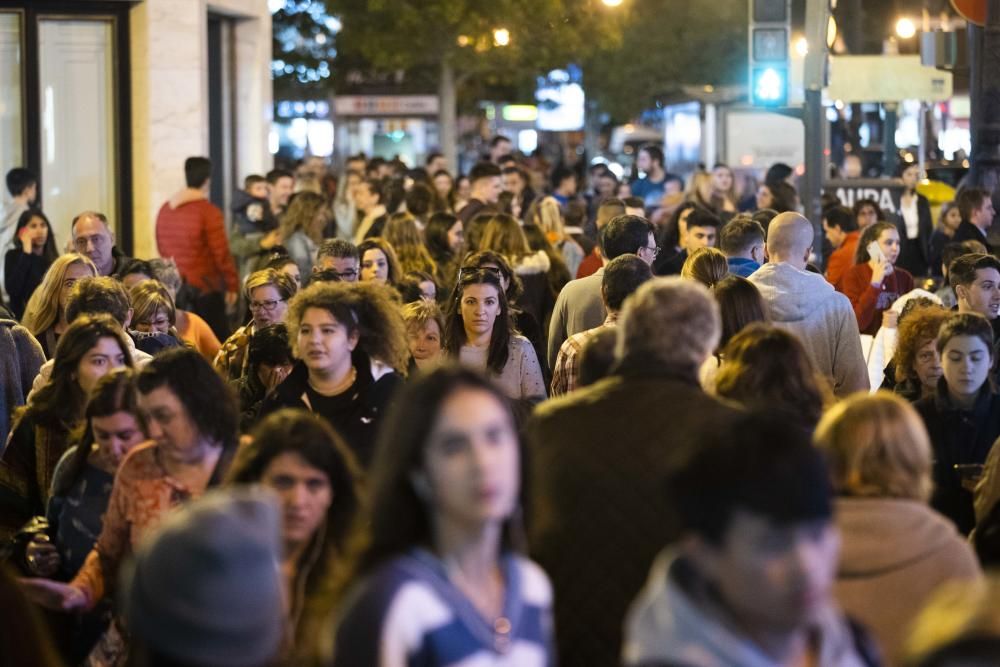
(205, 590)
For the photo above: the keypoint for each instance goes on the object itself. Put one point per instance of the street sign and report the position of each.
(886, 79)
(385, 105)
(886, 192)
(974, 11)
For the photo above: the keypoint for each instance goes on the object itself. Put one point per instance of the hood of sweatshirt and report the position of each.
(665, 625)
(792, 295)
(531, 264)
(186, 196)
(882, 535)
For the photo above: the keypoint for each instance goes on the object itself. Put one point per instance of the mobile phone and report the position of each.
(874, 251)
(971, 471)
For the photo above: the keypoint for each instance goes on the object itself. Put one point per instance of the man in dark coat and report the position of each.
(599, 457)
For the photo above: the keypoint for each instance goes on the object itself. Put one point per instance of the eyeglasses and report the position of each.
(654, 249)
(350, 273)
(266, 306)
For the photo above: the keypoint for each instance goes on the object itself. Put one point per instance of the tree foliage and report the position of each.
(303, 49)
(415, 34)
(669, 43)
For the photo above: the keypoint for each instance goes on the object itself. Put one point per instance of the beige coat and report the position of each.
(895, 553)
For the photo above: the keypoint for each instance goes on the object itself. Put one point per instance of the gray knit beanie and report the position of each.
(206, 587)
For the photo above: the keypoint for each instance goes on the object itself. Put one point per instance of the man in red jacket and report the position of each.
(191, 230)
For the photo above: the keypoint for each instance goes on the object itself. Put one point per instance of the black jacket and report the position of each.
(358, 411)
(915, 254)
(599, 514)
(958, 437)
(969, 232)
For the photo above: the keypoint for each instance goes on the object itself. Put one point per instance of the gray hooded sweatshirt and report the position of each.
(665, 626)
(807, 305)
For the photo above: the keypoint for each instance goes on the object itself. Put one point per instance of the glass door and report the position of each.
(79, 166)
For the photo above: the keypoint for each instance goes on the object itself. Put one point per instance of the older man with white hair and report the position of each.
(599, 458)
(804, 303)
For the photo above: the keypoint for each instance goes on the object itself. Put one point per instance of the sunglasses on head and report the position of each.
(472, 270)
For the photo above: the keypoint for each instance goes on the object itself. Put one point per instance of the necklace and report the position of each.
(487, 600)
(339, 388)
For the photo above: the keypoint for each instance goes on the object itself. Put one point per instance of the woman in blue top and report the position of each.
(442, 578)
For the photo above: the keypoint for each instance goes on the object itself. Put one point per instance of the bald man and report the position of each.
(807, 305)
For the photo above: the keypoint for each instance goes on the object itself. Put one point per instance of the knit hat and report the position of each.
(206, 587)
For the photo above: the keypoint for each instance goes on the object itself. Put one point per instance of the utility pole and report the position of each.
(984, 93)
(813, 81)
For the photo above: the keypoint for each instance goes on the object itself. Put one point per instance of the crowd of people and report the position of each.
(530, 415)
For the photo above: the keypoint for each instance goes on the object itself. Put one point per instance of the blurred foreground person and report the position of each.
(896, 550)
(750, 581)
(317, 480)
(186, 596)
(590, 470)
(439, 580)
(959, 627)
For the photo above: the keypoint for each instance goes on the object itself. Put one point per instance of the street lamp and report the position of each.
(905, 28)
(501, 37)
(612, 3)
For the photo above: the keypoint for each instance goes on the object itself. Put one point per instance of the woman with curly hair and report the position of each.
(402, 234)
(302, 228)
(350, 343)
(917, 362)
(767, 367)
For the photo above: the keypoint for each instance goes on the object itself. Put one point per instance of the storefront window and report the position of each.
(77, 103)
(11, 101)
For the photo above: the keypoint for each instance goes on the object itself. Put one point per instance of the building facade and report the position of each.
(105, 99)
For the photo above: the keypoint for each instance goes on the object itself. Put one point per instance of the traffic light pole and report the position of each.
(814, 119)
(812, 180)
(984, 47)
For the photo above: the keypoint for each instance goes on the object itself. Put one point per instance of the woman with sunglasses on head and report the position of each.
(479, 333)
(437, 577)
(267, 293)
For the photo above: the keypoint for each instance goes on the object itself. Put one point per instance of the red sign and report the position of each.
(974, 11)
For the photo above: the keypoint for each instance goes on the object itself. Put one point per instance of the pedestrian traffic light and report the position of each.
(770, 35)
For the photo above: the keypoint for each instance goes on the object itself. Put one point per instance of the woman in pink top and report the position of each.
(192, 422)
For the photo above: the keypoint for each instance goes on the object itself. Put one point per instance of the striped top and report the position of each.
(409, 614)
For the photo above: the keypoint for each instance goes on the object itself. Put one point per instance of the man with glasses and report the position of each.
(702, 232)
(339, 256)
(579, 306)
(92, 236)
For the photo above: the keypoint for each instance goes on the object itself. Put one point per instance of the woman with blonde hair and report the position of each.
(302, 228)
(547, 214)
(405, 238)
(504, 236)
(153, 308)
(706, 265)
(45, 314)
(191, 328)
(896, 550)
